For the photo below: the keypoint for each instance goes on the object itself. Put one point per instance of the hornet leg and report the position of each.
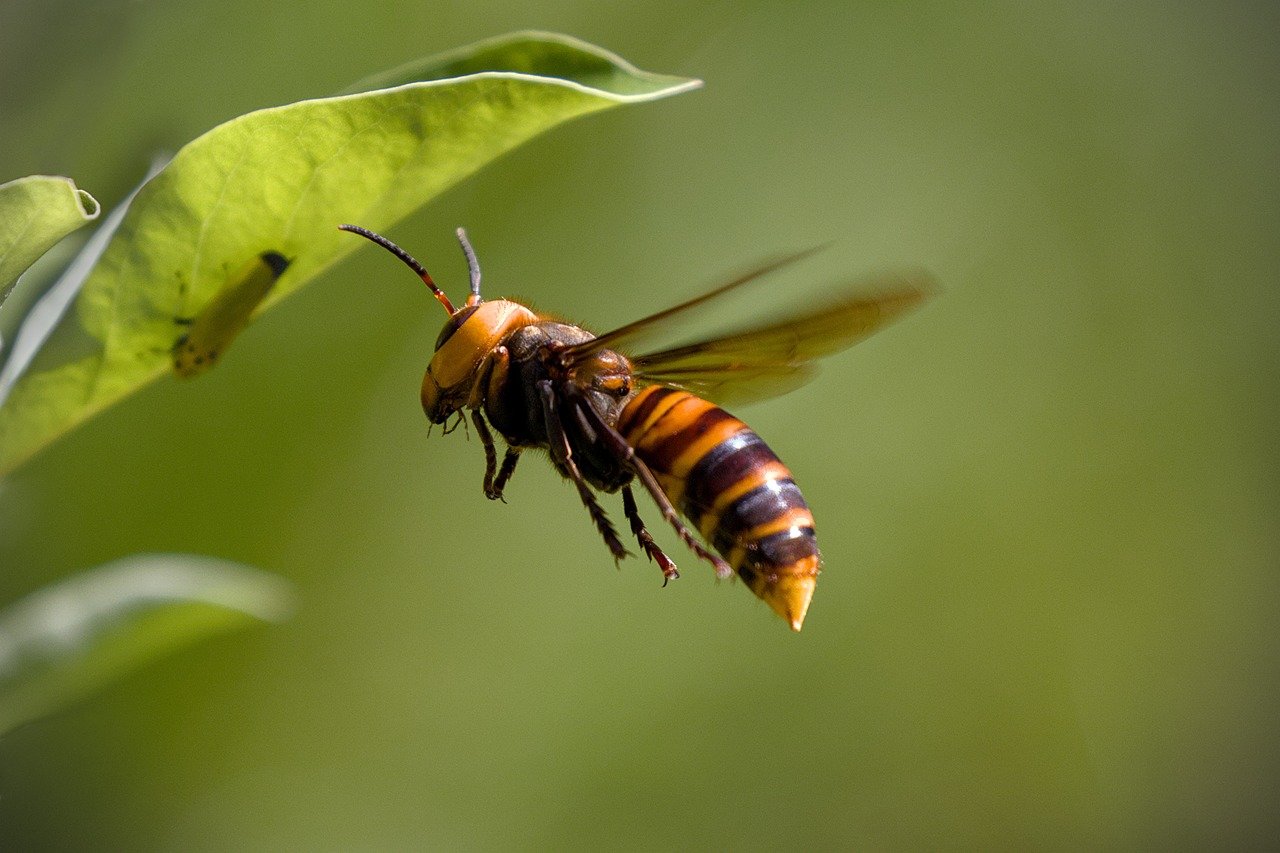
(504, 473)
(651, 549)
(627, 454)
(563, 453)
(490, 454)
(491, 376)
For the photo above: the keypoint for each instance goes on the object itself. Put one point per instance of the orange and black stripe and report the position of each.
(733, 488)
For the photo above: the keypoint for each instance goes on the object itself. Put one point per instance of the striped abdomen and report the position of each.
(733, 488)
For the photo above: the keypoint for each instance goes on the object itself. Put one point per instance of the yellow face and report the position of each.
(465, 344)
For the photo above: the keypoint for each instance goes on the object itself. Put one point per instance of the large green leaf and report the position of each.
(281, 180)
(35, 213)
(64, 641)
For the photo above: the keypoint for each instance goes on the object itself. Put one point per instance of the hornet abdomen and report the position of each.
(735, 490)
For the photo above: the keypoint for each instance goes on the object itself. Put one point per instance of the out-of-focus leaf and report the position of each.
(62, 642)
(281, 180)
(44, 315)
(35, 213)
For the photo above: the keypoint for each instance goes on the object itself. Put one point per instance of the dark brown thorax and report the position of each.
(515, 408)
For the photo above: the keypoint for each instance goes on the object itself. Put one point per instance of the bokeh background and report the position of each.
(1047, 501)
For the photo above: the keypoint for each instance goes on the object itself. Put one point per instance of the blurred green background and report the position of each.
(1047, 502)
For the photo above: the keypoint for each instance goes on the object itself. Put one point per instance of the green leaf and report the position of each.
(42, 317)
(35, 213)
(62, 642)
(281, 180)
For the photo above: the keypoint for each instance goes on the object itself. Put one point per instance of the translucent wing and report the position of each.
(771, 357)
(775, 357)
(738, 386)
(631, 337)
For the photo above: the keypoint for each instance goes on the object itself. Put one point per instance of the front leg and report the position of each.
(493, 486)
(490, 455)
(562, 453)
(494, 368)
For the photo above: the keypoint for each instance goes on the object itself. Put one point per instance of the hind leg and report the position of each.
(651, 549)
(627, 455)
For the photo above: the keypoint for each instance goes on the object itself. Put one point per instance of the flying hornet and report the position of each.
(610, 414)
